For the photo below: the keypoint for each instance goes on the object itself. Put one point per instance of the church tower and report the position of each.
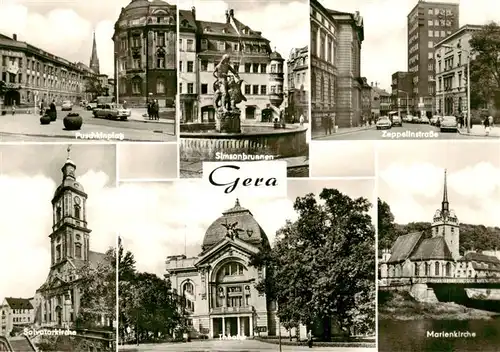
(94, 60)
(445, 223)
(69, 240)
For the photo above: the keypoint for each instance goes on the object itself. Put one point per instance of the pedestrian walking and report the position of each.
(309, 339)
(149, 106)
(53, 110)
(157, 110)
(301, 120)
(492, 121)
(486, 123)
(13, 109)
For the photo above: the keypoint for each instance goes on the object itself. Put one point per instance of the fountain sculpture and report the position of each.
(227, 95)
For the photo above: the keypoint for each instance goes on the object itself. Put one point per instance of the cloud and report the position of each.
(161, 219)
(26, 223)
(423, 179)
(384, 50)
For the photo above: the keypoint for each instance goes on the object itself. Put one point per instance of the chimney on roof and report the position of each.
(193, 11)
(228, 19)
(14, 36)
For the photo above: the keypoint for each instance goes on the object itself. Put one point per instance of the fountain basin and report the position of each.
(202, 142)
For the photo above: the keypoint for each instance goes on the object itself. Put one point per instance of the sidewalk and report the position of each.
(166, 116)
(21, 125)
(321, 134)
(478, 130)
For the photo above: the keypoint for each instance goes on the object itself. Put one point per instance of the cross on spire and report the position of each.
(445, 206)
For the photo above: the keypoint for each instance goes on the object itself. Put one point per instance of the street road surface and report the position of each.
(234, 346)
(27, 127)
(409, 131)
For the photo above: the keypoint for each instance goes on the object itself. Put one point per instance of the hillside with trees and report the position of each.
(472, 237)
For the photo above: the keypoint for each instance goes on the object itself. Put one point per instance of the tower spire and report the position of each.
(94, 60)
(445, 206)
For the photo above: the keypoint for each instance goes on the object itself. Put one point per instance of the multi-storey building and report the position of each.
(145, 42)
(366, 101)
(381, 101)
(16, 312)
(324, 62)
(32, 74)
(298, 84)
(452, 54)
(428, 23)
(350, 37)
(402, 92)
(251, 56)
(58, 299)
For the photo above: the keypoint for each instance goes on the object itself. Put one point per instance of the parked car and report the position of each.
(449, 123)
(66, 106)
(91, 106)
(383, 123)
(397, 121)
(112, 111)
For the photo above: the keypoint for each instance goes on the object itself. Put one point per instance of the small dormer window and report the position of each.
(207, 29)
(184, 23)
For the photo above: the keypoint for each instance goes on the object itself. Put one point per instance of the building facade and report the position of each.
(16, 312)
(298, 84)
(451, 70)
(402, 92)
(145, 42)
(366, 101)
(32, 75)
(324, 61)
(260, 68)
(219, 286)
(381, 101)
(57, 301)
(428, 23)
(414, 255)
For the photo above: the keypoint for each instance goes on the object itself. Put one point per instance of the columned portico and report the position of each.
(231, 326)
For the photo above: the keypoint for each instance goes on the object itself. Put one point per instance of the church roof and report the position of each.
(478, 257)
(432, 249)
(403, 247)
(18, 303)
(249, 229)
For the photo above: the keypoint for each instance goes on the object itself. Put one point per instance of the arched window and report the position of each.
(77, 211)
(322, 89)
(416, 269)
(78, 251)
(188, 288)
(448, 269)
(136, 85)
(58, 214)
(427, 269)
(391, 271)
(314, 34)
(233, 269)
(436, 268)
(330, 90)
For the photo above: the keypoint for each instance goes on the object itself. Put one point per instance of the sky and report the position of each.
(29, 175)
(64, 28)
(143, 161)
(384, 50)
(413, 186)
(342, 159)
(161, 219)
(284, 32)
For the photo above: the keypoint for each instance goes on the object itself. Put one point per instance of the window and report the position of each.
(248, 67)
(190, 45)
(221, 46)
(255, 68)
(58, 252)
(430, 44)
(430, 33)
(160, 62)
(273, 68)
(78, 250)
(77, 211)
(190, 88)
(430, 23)
(136, 87)
(136, 41)
(188, 288)
(255, 89)
(429, 12)
(459, 59)
(430, 56)
(247, 89)
(236, 66)
(436, 268)
(263, 89)
(180, 66)
(436, 34)
(161, 39)
(204, 65)
(160, 87)
(204, 44)
(136, 63)
(180, 88)
(190, 66)
(180, 45)
(204, 88)
(443, 34)
(233, 269)
(58, 214)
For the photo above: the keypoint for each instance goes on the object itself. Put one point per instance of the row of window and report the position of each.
(19, 311)
(221, 45)
(138, 64)
(439, 23)
(34, 65)
(325, 49)
(206, 66)
(438, 34)
(254, 89)
(78, 251)
(39, 82)
(438, 11)
(21, 319)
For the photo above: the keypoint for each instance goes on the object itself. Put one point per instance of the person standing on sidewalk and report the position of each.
(301, 120)
(486, 123)
(309, 339)
(13, 109)
(330, 124)
(492, 121)
(53, 110)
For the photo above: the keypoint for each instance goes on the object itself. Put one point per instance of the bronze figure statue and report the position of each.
(231, 230)
(227, 88)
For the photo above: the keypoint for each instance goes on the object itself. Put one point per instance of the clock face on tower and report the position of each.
(77, 200)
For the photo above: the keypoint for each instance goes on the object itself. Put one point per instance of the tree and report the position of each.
(94, 87)
(485, 68)
(386, 228)
(97, 287)
(323, 264)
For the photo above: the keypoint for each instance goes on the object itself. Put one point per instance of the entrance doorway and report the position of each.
(12, 97)
(229, 326)
(207, 114)
(188, 111)
(59, 315)
(250, 112)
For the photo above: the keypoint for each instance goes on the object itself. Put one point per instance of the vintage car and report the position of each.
(448, 124)
(66, 106)
(383, 123)
(111, 111)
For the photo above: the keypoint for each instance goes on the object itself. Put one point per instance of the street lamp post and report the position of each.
(468, 81)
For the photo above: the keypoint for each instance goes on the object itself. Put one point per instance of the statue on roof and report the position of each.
(231, 230)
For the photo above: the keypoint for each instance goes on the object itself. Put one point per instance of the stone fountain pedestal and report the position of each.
(228, 121)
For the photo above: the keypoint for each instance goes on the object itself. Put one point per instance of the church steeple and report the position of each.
(94, 60)
(445, 205)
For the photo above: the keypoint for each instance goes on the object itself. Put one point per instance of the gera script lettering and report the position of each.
(246, 182)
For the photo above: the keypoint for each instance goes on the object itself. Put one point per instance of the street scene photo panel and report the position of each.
(88, 71)
(243, 83)
(430, 72)
(438, 246)
(60, 294)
